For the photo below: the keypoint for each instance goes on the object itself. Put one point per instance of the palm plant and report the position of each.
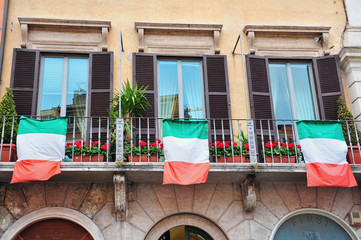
(7, 109)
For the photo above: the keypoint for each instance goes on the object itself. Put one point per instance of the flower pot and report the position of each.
(356, 155)
(5, 153)
(92, 158)
(277, 159)
(229, 159)
(143, 158)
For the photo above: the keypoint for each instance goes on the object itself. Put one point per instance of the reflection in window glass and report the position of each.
(168, 90)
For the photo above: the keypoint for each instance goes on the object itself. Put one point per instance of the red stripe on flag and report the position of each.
(329, 175)
(34, 170)
(185, 173)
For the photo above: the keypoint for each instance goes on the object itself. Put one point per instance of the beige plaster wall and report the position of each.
(234, 15)
(150, 203)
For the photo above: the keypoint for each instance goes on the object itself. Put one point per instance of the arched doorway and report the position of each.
(185, 232)
(54, 229)
(312, 224)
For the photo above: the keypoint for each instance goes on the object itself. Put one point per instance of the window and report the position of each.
(293, 91)
(181, 91)
(63, 86)
(183, 87)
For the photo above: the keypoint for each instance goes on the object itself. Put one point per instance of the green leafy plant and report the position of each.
(279, 148)
(344, 114)
(153, 149)
(220, 149)
(7, 109)
(133, 103)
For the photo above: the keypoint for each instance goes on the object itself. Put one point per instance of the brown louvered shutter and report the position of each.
(24, 80)
(260, 95)
(329, 85)
(217, 95)
(100, 89)
(145, 74)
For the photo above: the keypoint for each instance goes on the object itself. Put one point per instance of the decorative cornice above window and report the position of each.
(287, 41)
(64, 34)
(178, 38)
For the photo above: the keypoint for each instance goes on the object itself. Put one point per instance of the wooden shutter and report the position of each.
(24, 80)
(100, 89)
(145, 74)
(260, 95)
(328, 84)
(217, 95)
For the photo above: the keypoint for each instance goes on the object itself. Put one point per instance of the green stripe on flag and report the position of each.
(320, 129)
(54, 126)
(185, 128)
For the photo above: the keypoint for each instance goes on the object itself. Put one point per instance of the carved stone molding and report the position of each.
(120, 195)
(64, 34)
(249, 193)
(178, 38)
(287, 41)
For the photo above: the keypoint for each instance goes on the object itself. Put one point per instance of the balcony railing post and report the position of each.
(251, 141)
(119, 139)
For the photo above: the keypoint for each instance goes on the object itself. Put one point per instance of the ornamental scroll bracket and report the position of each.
(120, 196)
(249, 193)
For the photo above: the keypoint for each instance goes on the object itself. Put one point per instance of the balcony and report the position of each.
(248, 151)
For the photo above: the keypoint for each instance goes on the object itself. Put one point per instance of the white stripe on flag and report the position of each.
(324, 150)
(41, 146)
(191, 150)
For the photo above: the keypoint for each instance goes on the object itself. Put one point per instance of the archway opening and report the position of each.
(185, 232)
(311, 226)
(54, 229)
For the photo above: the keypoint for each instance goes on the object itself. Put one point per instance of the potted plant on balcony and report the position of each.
(84, 152)
(281, 152)
(153, 151)
(7, 113)
(222, 152)
(349, 128)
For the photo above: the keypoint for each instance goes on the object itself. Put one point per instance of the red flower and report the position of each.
(161, 146)
(69, 143)
(268, 145)
(13, 147)
(283, 144)
(227, 142)
(275, 144)
(158, 140)
(235, 144)
(152, 144)
(291, 145)
(227, 145)
(220, 145)
(142, 143)
(105, 146)
(80, 147)
(246, 146)
(66, 146)
(299, 146)
(94, 143)
(87, 145)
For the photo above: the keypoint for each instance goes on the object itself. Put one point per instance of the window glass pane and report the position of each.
(280, 93)
(192, 90)
(168, 89)
(303, 92)
(51, 86)
(77, 87)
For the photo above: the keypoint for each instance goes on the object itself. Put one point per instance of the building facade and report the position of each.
(239, 64)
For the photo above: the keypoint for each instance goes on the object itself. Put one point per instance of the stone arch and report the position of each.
(190, 219)
(53, 212)
(331, 216)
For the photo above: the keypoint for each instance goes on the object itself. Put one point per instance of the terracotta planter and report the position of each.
(143, 158)
(92, 158)
(277, 159)
(356, 155)
(229, 159)
(5, 154)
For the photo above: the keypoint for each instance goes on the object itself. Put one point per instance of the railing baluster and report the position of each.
(72, 152)
(148, 140)
(2, 137)
(262, 138)
(215, 139)
(270, 139)
(286, 139)
(350, 142)
(240, 140)
(357, 138)
(231, 136)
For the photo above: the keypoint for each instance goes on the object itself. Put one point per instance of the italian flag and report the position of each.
(186, 151)
(324, 149)
(40, 149)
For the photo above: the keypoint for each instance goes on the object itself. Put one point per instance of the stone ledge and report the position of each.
(153, 172)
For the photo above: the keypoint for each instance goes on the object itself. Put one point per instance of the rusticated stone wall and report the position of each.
(149, 203)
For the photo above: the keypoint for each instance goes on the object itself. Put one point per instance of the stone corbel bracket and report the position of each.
(64, 25)
(249, 193)
(120, 196)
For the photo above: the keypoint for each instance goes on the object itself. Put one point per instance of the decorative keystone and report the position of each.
(249, 193)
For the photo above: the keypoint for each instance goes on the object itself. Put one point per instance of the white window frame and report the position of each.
(180, 84)
(64, 82)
